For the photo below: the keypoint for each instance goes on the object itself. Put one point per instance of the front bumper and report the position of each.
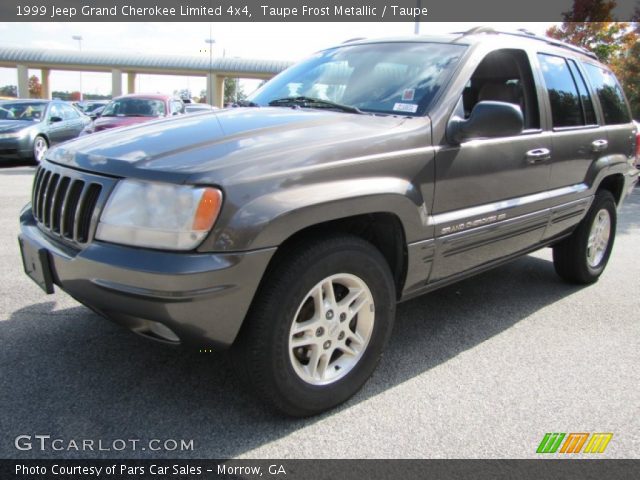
(201, 298)
(15, 148)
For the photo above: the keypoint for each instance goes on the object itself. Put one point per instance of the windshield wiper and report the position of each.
(314, 103)
(245, 103)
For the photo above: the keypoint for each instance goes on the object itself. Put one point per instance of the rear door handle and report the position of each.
(538, 155)
(599, 145)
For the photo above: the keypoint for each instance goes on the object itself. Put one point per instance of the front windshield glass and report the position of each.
(390, 78)
(28, 111)
(134, 107)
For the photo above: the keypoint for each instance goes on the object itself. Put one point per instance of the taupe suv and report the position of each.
(372, 172)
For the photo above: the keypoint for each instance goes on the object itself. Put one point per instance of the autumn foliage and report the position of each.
(591, 24)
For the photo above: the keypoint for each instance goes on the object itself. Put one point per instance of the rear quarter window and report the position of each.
(614, 106)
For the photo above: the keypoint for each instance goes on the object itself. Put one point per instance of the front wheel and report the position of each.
(318, 326)
(40, 147)
(582, 257)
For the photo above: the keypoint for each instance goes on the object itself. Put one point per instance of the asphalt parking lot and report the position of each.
(481, 369)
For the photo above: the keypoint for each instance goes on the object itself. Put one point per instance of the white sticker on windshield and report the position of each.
(405, 107)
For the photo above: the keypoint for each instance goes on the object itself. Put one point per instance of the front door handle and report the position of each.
(538, 155)
(599, 145)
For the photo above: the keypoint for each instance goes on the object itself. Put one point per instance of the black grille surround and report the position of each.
(66, 203)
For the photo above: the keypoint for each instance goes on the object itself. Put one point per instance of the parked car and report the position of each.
(198, 107)
(92, 108)
(366, 175)
(29, 127)
(93, 114)
(133, 109)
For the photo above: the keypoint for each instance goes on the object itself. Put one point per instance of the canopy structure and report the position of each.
(131, 64)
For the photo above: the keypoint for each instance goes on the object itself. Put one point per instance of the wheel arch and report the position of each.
(383, 230)
(613, 183)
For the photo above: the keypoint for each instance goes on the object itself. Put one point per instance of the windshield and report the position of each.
(390, 78)
(29, 111)
(134, 107)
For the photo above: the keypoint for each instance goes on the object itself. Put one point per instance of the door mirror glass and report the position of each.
(488, 119)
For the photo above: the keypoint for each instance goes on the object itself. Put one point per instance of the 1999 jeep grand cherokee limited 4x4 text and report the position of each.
(365, 175)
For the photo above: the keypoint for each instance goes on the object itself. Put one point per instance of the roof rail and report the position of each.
(523, 33)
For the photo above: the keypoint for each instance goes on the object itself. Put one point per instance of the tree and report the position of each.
(9, 91)
(74, 96)
(590, 24)
(230, 92)
(35, 87)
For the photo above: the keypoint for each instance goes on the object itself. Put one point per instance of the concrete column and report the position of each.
(116, 83)
(215, 90)
(131, 82)
(23, 81)
(46, 85)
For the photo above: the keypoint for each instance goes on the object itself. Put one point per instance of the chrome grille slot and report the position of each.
(56, 206)
(48, 200)
(69, 208)
(85, 211)
(66, 202)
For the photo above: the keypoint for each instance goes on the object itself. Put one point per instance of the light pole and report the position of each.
(78, 38)
(416, 28)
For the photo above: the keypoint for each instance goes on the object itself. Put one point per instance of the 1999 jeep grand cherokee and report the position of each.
(365, 175)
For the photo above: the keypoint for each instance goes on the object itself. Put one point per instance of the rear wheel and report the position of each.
(318, 325)
(40, 147)
(582, 257)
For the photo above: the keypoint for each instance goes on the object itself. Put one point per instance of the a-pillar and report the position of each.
(116, 83)
(23, 81)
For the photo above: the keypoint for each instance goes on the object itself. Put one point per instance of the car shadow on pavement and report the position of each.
(71, 374)
(6, 165)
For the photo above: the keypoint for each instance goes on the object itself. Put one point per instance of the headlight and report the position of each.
(159, 215)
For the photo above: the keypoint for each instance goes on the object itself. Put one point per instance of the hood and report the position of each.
(10, 126)
(104, 123)
(224, 145)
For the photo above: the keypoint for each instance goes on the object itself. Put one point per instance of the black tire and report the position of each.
(570, 257)
(261, 354)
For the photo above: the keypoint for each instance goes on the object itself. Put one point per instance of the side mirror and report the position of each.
(488, 119)
(55, 119)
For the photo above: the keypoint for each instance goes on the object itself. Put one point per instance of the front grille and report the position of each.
(66, 203)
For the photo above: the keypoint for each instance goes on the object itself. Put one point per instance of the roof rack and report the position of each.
(523, 33)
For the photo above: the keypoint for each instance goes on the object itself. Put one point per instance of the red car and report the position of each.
(133, 109)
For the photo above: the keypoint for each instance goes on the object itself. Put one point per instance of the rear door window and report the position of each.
(587, 105)
(614, 106)
(566, 107)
